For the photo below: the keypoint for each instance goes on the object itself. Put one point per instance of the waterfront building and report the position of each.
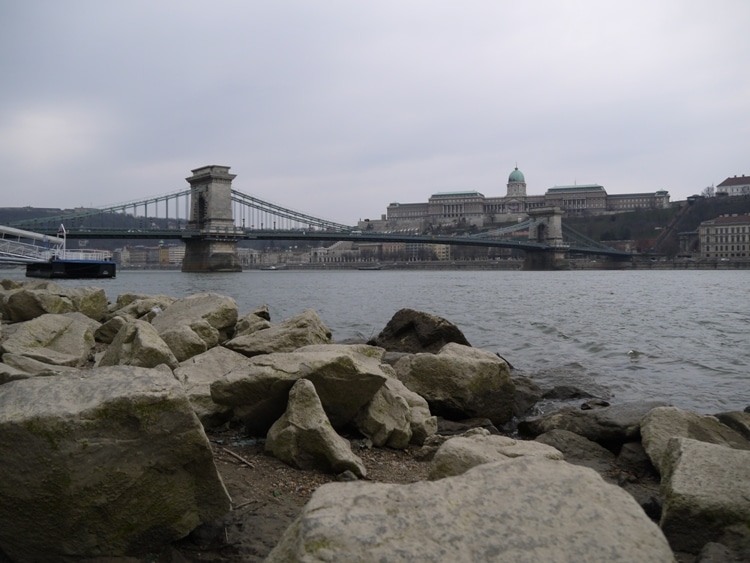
(461, 209)
(739, 185)
(725, 237)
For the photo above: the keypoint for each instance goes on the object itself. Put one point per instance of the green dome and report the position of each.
(516, 176)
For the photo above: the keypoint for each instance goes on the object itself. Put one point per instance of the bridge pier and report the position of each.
(547, 229)
(215, 249)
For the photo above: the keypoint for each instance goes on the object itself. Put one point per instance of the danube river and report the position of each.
(676, 336)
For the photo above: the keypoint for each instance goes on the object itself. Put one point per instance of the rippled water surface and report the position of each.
(682, 337)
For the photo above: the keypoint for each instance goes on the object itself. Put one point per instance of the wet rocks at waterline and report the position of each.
(104, 407)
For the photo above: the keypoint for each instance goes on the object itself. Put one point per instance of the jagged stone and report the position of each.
(108, 330)
(413, 332)
(26, 304)
(461, 382)
(188, 341)
(304, 438)
(610, 426)
(52, 339)
(706, 492)
(663, 424)
(110, 462)
(89, 301)
(346, 377)
(290, 334)
(138, 344)
(196, 375)
(525, 509)
(219, 311)
(259, 319)
(396, 417)
(458, 455)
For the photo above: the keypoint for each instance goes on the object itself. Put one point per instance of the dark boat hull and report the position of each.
(72, 269)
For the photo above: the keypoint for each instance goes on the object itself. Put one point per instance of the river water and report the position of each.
(676, 336)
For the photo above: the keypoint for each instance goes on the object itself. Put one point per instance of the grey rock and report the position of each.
(458, 455)
(253, 322)
(302, 330)
(110, 462)
(663, 424)
(413, 331)
(525, 509)
(199, 372)
(52, 339)
(396, 417)
(346, 377)
(706, 491)
(219, 311)
(461, 382)
(304, 438)
(138, 344)
(610, 426)
(738, 421)
(579, 450)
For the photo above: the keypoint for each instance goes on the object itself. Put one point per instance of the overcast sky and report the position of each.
(338, 107)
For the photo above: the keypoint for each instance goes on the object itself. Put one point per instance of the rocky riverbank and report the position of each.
(152, 427)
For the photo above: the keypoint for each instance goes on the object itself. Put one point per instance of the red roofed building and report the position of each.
(739, 185)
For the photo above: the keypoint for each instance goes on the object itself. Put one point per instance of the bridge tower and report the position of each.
(215, 249)
(547, 229)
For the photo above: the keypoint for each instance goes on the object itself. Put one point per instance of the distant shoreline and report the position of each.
(639, 263)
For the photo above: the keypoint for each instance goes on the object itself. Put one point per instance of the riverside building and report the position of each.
(472, 208)
(726, 237)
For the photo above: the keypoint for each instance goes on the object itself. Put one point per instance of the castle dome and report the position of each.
(516, 176)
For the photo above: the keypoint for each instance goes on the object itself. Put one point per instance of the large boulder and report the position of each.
(188, 341)
(346, 377)
(413, 332)
(305, 329)
(220, 311)
(90, 301)
(110, 462)
(609, 426)
(138, 344)
(25, 304)
(661, 425)
(52, 339)
(304, 438)
(396, 417)
(461, 382)
(199, 372)
(525, 509)
(458, 455)
(706, 495)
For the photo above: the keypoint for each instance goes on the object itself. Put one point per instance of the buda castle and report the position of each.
(469, 208)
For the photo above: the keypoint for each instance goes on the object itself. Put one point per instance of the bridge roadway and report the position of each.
(239, 233)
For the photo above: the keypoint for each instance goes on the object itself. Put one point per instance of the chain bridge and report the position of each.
(211, 217)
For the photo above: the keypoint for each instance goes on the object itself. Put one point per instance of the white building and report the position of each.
(725, 237)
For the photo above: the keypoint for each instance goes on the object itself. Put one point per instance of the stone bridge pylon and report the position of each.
(546, 228)
(215, 248)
